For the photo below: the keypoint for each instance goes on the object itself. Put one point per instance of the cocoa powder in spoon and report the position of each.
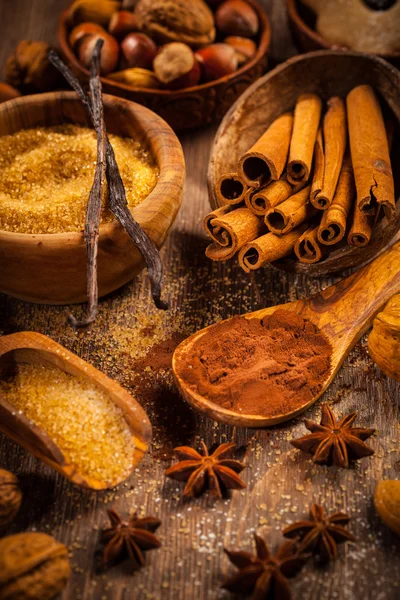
(260, 367)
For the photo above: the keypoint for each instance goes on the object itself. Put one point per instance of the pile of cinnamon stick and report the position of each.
(313, 180)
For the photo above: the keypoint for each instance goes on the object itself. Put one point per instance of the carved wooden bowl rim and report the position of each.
(319, 40)
(342, 257)
(117, 86)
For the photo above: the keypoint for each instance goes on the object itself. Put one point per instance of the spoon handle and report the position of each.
(348, 308)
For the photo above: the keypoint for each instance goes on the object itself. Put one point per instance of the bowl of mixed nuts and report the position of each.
(187, 61)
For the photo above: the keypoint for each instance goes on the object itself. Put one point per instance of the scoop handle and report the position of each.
(347, 309)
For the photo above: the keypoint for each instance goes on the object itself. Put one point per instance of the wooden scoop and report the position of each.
(343, 312)
(34, 348)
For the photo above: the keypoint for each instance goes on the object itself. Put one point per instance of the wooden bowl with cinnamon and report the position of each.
(302, 21)
(189, 107)
(266, 107)
(50, 268)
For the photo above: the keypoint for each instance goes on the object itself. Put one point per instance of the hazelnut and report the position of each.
(10, 496)
(93, 11)
(237, 17)
(137, 50)
(244, 47)
(122, 23)
(109, 52)
(217, 60)
(7, 92)
(141, 78)
(82, 30)
(29, 69)
(188, 21)
(176, 66)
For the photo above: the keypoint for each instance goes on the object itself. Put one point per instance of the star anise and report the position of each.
(217, 471)
(322, 534)
(265, 575)
(335, 442)
(127, 539)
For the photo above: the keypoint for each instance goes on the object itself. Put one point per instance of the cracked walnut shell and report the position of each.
(177, 21)
(32, 565)
(10, 497)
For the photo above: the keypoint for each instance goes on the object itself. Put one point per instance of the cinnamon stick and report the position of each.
(370, 153)
(308, 248)
(335, 135)
(333, 224)
(268, 248)
(259, 201)
(213, 231)
(319, 165)
(231, 189)
(230, 231)
(307, 115)
(361, 230)
(291, 213)
(267, 158)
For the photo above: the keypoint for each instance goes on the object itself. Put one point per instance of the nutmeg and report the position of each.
(176, 66)
(141, 78)
(217, 60)
(244, 47)
(29, 69)
(93, 11)
(237, 17)
(187, 21)
(137, 50)
(109, 52)
(32, 565)
(8, 92)
(82, 30)
(10, 497)
(122, 23)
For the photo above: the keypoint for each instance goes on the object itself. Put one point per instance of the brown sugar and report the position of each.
(260, 367)
(80, 418)
(46, 175)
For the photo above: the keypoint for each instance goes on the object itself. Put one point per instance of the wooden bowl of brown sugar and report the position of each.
(326, 73)
(50, 268)
(190, 107)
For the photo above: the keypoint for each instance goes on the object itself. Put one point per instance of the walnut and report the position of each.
(29, 69)
(384, 339)
(10, 497)
(32, 565)
(190, 22)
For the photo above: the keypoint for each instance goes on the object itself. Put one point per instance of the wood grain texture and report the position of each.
(192, 107)
(307, 38)
(51, 268)
(342, 312)
(282, 483)
(34, 348)
(326, 73)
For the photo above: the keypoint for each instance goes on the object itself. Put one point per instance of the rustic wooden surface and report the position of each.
(282, 483)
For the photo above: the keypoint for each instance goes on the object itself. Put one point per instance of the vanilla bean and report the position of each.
(117, 196)
(94, 205)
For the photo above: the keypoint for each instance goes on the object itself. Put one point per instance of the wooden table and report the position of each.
(281, 482)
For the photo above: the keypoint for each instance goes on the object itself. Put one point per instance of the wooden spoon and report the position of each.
(343, 312)
(34, 348)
